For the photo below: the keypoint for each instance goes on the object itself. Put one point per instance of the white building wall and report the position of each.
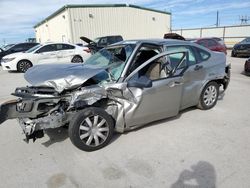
(131, 23)
(54, 30)
(92, 22)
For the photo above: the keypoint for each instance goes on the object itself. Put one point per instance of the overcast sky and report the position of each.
(17, 17)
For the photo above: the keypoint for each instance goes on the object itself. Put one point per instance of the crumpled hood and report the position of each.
(60, 76)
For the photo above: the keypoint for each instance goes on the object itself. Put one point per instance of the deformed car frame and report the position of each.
(121, 87)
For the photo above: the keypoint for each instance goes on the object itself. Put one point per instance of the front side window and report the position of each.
(144, 53)
(47, 48)
(162, 67)
(34, 48)
(112, 59)
(17, 48)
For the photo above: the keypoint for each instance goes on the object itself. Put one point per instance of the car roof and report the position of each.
(154, 41)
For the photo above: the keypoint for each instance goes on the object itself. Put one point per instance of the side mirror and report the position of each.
(141, 82)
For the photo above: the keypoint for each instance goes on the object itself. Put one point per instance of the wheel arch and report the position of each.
(23, 60)
(108, 105)
(218, 81)
(77, 55)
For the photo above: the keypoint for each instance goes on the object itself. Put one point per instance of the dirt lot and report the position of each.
(197, 148)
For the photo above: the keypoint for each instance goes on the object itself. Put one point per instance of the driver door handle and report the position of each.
(198, 67)
(175, 83)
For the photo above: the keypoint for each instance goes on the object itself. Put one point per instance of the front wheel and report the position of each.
(23, 65)
(91, 129)
(209, 96)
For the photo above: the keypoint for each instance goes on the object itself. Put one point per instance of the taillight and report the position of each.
(87, 50)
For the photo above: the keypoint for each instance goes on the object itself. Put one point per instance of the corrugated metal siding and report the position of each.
(129, 22)
(55, 30)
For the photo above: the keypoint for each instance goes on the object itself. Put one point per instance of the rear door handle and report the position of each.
(198, 67)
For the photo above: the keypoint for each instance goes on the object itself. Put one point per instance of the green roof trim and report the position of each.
(96, 6)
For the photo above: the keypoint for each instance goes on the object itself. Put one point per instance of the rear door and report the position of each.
(65, 52)
(163, 99)
(195, 74)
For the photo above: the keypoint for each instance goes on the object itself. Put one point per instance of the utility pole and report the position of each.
(217, 19)
(244, 19)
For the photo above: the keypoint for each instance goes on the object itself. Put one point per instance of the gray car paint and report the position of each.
(130, 107)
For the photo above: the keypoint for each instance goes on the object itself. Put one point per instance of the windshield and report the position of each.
(246, 40)
(113, 59)
(33, 48)
(8, 46)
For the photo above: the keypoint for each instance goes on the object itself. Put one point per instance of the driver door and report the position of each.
(47, 54)
(163, 99)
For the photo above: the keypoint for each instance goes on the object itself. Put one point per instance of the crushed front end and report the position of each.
(37, 109)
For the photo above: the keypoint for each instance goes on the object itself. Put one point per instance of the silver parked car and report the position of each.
(119, 88)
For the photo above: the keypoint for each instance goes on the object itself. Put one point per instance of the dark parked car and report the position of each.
(247, 66)
(101, 42)
(212, 44)
(242, 48)
(173, 36)
(20, 47)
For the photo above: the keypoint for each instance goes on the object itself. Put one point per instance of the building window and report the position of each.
(91, 16)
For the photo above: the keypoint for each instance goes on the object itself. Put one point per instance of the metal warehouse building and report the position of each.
(73, 21)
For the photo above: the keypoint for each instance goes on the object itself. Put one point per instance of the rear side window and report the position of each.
(64, 47)
(68, 47)
(19, 48)
(191, 56)
(203, 55)
(103, 41)
(211, 43)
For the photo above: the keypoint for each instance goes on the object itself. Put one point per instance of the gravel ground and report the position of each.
(195, 149)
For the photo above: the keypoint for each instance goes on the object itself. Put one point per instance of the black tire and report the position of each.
(80, 131)
(23, 65)
(233, 54)
(77, 59)
(209, 96)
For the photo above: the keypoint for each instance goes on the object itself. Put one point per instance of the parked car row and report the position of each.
(44, 53)
(20, 57)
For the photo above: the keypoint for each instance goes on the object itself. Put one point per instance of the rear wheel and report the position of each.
(77, 59)
(91, 129)
(23, 65)
(209, 96)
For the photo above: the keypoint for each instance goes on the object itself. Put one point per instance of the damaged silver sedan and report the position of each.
(121, 87)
